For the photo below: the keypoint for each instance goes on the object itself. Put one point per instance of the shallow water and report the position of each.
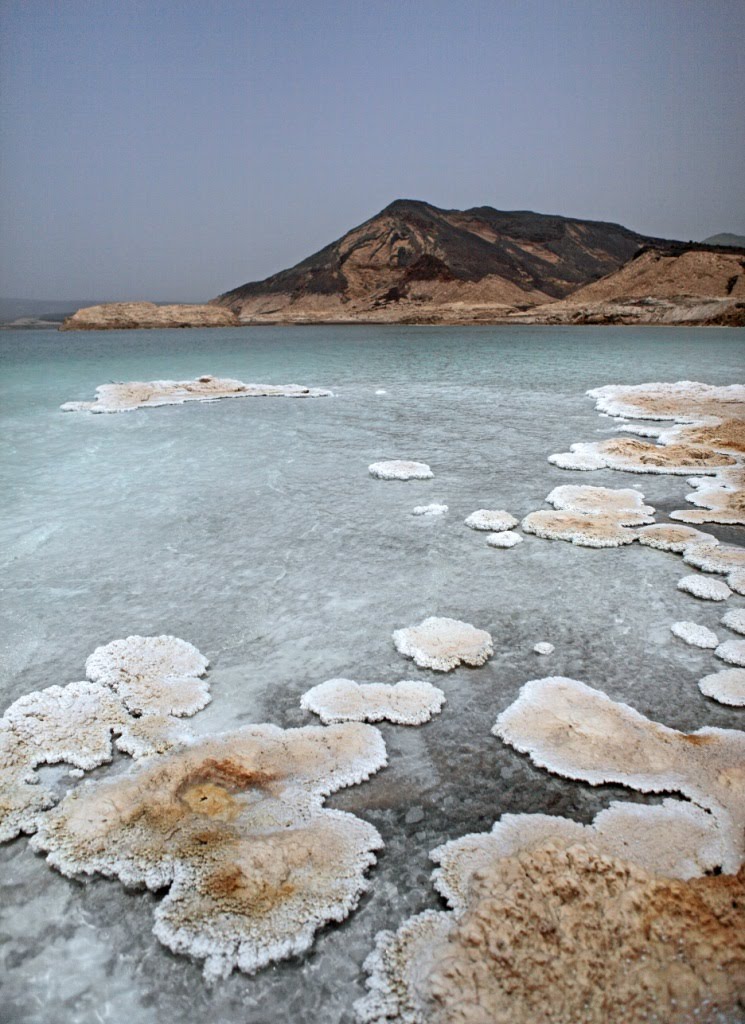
(252, 529)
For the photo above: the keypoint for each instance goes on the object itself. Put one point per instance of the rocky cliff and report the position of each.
(136, 315)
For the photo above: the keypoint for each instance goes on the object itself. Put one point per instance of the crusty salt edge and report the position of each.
(543, 647)
(442, 644)
(732, 651)
(494, 520)
(424, 972)
(684, 401)
(640, 457)
(505, 539)
(727, 686)
(735, 620)
(721, 558)
(705, 588)
(576, 731)
(400, 469)
(408, 702)
(719, 500)
(234, 825)
(625, 504)
(75, 724)
(126, 396)
(736, 581)
(153, 675)
(670, 537)
(599, 530)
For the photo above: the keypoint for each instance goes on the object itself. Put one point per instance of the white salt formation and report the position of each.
(727, 686)
(234, 827)
(625, 504)
(409, 702)
(74, 724)
(125, 396)
(669, 537)
(695, 635)
(153, 675)
(705, 588)
(429, 510)
(736, 581)
(550, 922)
(575, 731)
(544, 648)
(719, 500)
(506, 539)
(636, 456)
(732, 651)
(684, 402)
(722, 558)
(400, 469)
(494, 520)
(735, 620)
(442, 644)
(599, 530)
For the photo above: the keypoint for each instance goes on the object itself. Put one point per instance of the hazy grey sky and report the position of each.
(177, 149)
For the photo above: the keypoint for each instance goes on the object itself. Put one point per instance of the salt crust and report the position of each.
(543, 904)
(705, 588)
(599, 530)
(442, 644)
(727, 686)
(732, 651)
(400, 469)
(695, 635)
(736, 581)
(153, 675)
(505, 539)
(409, 702)
(234, 827)
(636, 456)
(721, 500)
(578, 732)
(74, 724)
(544, 648)
(625, 504)
(735, 620)
(722, 558)
(685, 401)
(429, 510)
(494, 520)
(669, 537)
(125, 396)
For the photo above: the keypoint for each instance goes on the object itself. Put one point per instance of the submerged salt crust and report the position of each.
(429, 510)
(549, 922)
(705, 588)
(409, 702)
(443, 643)
(580, 733)
(727, 686)
(234, 827)
(150, 677)
(400, 469)
(129, 395)
(494, 520)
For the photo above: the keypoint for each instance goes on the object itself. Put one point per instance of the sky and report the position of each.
(164, 150)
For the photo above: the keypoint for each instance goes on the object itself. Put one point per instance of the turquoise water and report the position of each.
(252, 529)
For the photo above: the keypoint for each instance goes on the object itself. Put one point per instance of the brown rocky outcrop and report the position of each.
(137, 315)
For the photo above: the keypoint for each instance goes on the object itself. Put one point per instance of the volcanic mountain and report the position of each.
(415, 262)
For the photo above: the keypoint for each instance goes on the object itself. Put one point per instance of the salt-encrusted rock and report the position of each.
(695, 635)
(736, 581)
(153, 675)
(735, 620)
(429, 510)
(544, 648)
(494, 520)
(600, 530)
(234, 827)
(409, 702)
(722, 558)
(727, 686)
(625, 504)
(125, 396)
(442, 644)
(506, 539)
(670, 537)
(400, 469)
(514, 933)
(732, 651)
(705, 588)
(580, 733)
